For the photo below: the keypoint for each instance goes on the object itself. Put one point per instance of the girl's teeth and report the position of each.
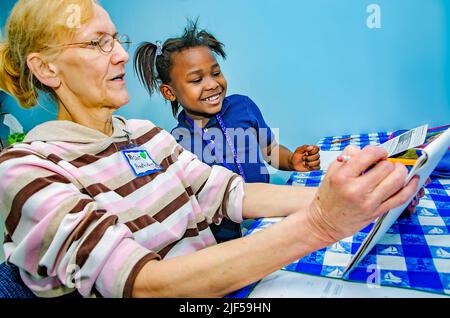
(209, 99)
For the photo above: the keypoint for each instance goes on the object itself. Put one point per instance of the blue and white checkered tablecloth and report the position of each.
(360, 141)
(414, 253)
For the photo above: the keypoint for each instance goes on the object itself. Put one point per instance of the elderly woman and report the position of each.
(98, 205)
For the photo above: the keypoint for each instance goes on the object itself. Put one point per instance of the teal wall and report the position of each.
(313, 66)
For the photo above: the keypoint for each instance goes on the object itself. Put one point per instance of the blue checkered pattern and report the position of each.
(414, 253)
(360, 141)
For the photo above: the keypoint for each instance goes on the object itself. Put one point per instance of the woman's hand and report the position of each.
(305, 158)
(351, 198)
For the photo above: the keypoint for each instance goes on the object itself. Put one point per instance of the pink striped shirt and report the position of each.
(79, 220)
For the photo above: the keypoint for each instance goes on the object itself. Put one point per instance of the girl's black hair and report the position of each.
(145, 63)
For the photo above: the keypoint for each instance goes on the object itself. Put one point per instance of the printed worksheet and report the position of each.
(408, 140)
(327, 158)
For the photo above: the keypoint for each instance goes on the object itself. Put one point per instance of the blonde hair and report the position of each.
(32, 27)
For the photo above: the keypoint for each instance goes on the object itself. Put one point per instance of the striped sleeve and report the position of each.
(219, 191)
(59, 237)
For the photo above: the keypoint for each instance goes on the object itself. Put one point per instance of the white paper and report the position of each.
(408, 140)
(327, 158)
(283, 284)
(13, 124)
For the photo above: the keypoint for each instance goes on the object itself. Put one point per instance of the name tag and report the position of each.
(140, 162)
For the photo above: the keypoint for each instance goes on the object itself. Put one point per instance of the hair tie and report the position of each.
(159, 51)
(159, 48)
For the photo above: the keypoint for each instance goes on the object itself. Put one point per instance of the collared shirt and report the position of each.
(247, 130)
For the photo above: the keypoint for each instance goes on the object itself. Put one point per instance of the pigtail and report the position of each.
(145, 66)
(175, 108)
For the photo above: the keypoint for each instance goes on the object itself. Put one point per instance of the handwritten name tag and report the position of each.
(140, 162)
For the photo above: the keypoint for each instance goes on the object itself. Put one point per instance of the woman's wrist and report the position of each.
(303, 234)
(319, 227)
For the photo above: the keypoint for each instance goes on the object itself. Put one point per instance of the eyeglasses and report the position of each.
(105, 42)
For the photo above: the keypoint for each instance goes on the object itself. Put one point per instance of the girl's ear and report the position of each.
(167, 92)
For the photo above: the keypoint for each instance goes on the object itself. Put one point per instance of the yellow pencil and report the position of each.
(406, 162)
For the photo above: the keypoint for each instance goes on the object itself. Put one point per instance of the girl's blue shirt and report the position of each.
(247, 130)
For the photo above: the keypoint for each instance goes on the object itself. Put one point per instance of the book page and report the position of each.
(408, 140)
(431, 156)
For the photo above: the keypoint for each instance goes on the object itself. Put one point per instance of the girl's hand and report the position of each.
(305, 158)
(411, 208)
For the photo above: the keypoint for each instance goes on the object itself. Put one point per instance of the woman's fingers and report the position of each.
(391, 184)
(371, 179)
(400, 198)
(349, 151)
(363, 160)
